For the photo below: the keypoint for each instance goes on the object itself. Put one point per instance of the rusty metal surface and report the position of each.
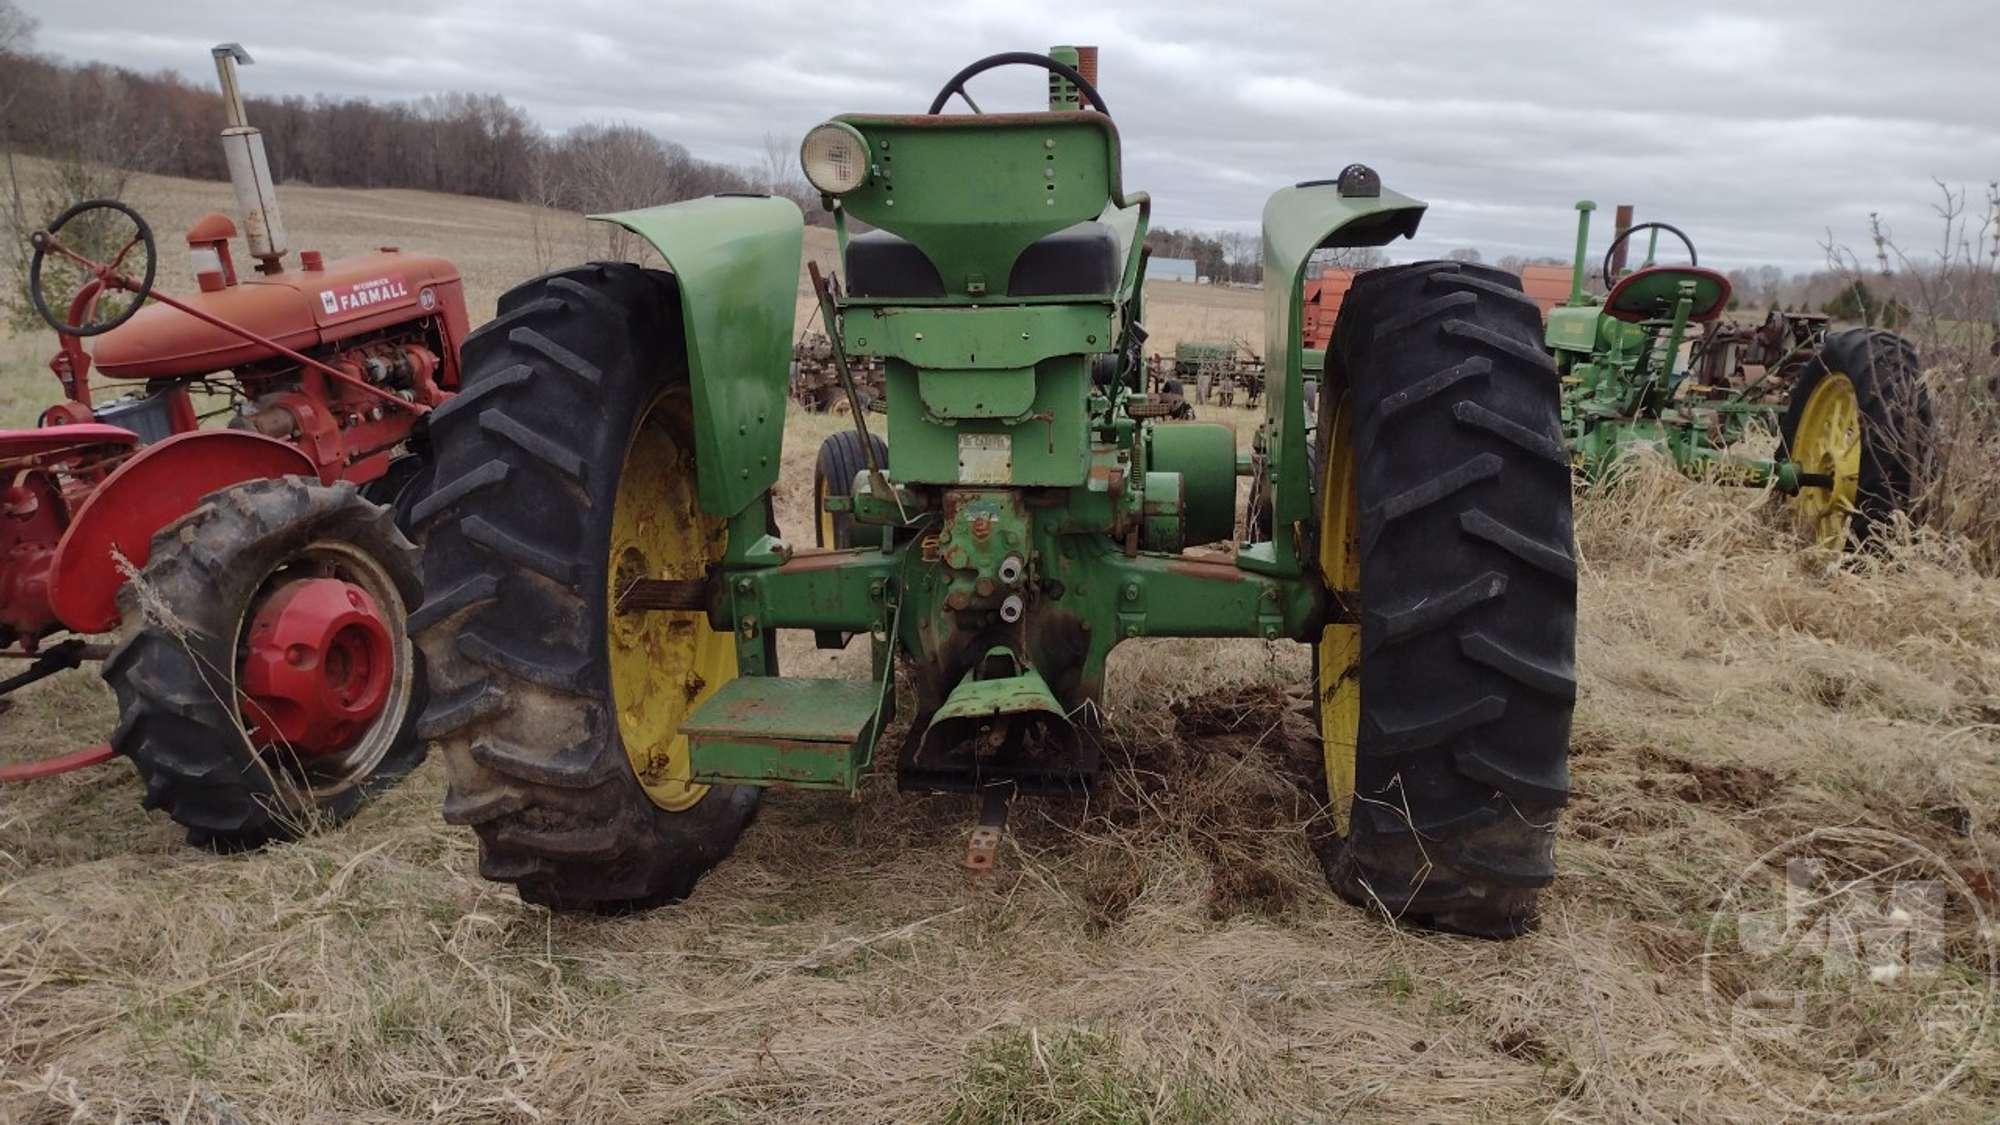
(643, 595)
(816, 377)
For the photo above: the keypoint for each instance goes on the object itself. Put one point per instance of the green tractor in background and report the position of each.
(604, 582)
(1848, 408)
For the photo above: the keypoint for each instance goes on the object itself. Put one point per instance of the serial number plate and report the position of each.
(986, 458)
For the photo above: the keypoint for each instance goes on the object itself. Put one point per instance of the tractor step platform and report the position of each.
(775, 730)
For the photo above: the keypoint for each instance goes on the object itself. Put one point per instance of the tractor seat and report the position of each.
(1078, 259)
(1650, 294)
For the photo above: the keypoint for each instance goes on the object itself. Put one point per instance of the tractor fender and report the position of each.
(736, 259)
(160, 484)
(1353, 211)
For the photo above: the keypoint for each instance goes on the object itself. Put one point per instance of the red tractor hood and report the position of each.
(298, 308)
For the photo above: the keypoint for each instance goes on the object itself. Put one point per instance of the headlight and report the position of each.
(835, 158)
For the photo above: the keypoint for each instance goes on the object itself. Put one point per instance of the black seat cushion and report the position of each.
(880, 264)
(1076, 259)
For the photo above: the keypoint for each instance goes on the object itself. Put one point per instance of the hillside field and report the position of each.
(1167, 951)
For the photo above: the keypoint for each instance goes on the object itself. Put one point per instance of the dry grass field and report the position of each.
(1167, 951)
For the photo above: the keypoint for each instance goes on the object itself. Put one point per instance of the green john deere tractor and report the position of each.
(1847, 408)
(605, 582)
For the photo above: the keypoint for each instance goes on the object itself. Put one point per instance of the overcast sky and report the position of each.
(1755, 127)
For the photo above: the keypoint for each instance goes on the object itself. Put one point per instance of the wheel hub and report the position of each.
(318, 669)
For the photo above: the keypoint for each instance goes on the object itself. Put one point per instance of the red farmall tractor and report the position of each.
(253, 570)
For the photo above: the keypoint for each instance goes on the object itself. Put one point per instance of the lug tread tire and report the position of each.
(516, 642)
(1895, 418)
(1468, 583)
(172, 679)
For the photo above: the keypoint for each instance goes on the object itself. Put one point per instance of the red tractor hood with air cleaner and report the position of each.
(299, 308)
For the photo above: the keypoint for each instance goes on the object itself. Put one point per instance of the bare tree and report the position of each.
(1952, 292)
(778, 163)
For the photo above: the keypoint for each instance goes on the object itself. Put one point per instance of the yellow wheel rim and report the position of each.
(1338, 655)
(1828, 441)
(826, 537)
(663, 664)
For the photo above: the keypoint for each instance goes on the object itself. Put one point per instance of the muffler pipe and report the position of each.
(249, 169)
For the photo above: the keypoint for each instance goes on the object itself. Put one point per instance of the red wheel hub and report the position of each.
(319, 667)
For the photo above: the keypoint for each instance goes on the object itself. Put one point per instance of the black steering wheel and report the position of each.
(94, 233)
(1016, 58)
(1611, 253)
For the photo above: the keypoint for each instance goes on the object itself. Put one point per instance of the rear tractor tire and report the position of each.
(1444, 501)
(265, 682)
(565, 467)
(1859, 414)
(840, 460)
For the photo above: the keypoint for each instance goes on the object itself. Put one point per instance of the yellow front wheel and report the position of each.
(1858, 427)
(1828, 445)
(841, 460)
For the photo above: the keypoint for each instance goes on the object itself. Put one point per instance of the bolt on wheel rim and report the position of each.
(663, 664)
(1828, 442)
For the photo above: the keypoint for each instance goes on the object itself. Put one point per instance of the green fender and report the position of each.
(736, 258)
(1298, 221)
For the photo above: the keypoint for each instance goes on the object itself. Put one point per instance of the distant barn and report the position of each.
(1172, 269)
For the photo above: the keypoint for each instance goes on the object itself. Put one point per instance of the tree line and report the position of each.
(467, 144)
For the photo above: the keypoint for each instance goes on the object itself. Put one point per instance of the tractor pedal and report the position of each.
(982, 850)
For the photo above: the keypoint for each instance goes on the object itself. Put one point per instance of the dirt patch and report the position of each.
(1726, 785)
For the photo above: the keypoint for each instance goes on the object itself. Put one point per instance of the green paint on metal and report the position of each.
(1034, 514)
(1023, 692)
(993, 338)
(1298, 221)
(1203, 455)
(973, 191)
(1045, 445)
(762, 730)
(737, 262)
(1572, 328)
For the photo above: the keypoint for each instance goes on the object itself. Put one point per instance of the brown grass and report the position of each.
(1167, 951)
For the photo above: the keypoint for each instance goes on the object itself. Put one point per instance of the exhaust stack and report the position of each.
(249, 169)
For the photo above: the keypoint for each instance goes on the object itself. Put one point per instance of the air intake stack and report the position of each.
(249, 170)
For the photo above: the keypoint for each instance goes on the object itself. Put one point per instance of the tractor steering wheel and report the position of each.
(1015, 58)
(106, 275)
(1611, 252)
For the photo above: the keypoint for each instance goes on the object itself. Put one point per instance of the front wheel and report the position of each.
(1858, 421)
(1444, 524)
(265, 683)
(564, 470)
(840, 459)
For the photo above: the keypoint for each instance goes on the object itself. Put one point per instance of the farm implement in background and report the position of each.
(254, 573)
(1220, 371)
(602, 604)
(816, 378)
(1651, 366)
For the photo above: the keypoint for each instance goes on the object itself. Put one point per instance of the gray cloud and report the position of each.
(1757, 127)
